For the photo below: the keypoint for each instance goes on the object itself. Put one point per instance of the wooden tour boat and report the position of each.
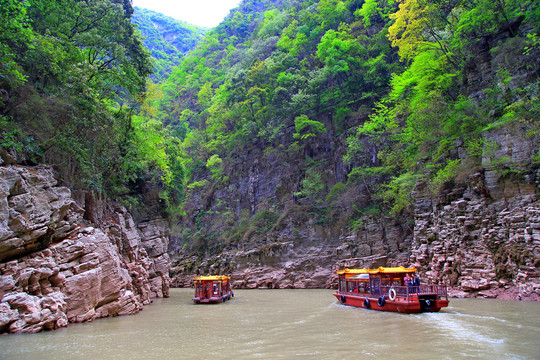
(388, 289)
(212, 289)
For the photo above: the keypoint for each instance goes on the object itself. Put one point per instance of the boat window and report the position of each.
(365, 287)
(375, 286)
(342, 286)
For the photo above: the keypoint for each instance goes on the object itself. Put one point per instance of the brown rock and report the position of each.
(64, 270)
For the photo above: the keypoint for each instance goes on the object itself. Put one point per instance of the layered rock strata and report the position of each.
(306, 258)
(483, 238)
(56, 269)
(479, 236)
(481, 251)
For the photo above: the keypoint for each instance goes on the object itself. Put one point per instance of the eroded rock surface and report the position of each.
(55, 269)
(480, 235)
(483, 238)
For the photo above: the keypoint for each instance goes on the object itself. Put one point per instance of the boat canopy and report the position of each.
(212, 277)
(380, 270)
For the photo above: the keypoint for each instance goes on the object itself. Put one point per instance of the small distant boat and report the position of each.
(388, 289)
(212, 289)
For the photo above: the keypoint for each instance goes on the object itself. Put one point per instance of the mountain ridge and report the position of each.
(167, 38)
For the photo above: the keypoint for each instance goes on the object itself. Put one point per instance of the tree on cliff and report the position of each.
(428, 117)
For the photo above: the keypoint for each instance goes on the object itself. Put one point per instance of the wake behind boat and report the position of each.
(389, 289)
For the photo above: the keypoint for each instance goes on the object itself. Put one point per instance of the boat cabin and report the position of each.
(389, 289)
(212, 289)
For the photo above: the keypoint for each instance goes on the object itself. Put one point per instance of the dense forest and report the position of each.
(72, 81)
(393, 83)
(167, 39)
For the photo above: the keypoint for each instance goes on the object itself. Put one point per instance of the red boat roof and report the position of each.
(380, 270)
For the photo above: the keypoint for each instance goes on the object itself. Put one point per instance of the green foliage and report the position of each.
(214, 164)
(338, 50)
(197, 184)
(264, 220)
(312, 185)
(426, 116)
(361, 174)
(155, 153)
(15, 35)
(398, 192)
(334, 193)
(273, 23)
(340, 115)
(375, 10)
(306, 128)
(168, 39)
(15, 140)
(445, 174)
(332, 13)
(76, 71)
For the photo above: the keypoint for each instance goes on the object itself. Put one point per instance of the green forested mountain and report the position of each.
(167, 39)
(72, 79)
(359, 97)
(329, 110)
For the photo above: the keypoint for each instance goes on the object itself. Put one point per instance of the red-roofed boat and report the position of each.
(212, 289)
(388, 289)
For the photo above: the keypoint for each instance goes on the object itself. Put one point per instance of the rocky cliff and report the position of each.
(287, 242)
(56, 267)
(480, 236)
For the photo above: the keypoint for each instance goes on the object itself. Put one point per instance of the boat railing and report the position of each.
(402, 293)
(412, 292)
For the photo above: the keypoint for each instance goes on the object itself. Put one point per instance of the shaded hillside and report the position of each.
(73, 77)
(167, 39)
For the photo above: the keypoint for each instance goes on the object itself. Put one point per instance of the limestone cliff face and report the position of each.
(483, 237)
(480, 236)
(56, 267)
(286, 244)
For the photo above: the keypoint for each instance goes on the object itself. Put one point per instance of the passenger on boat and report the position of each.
(409, 283)
(415, 283)
(407, 280)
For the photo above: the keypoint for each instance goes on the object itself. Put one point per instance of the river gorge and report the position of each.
(287, 324)
(69, 258)
(297, 138)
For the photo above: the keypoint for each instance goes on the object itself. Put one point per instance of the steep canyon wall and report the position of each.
(483, 236)
(56, 267)
(480, 236)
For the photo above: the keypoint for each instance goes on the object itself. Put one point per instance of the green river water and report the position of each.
(291, 324)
